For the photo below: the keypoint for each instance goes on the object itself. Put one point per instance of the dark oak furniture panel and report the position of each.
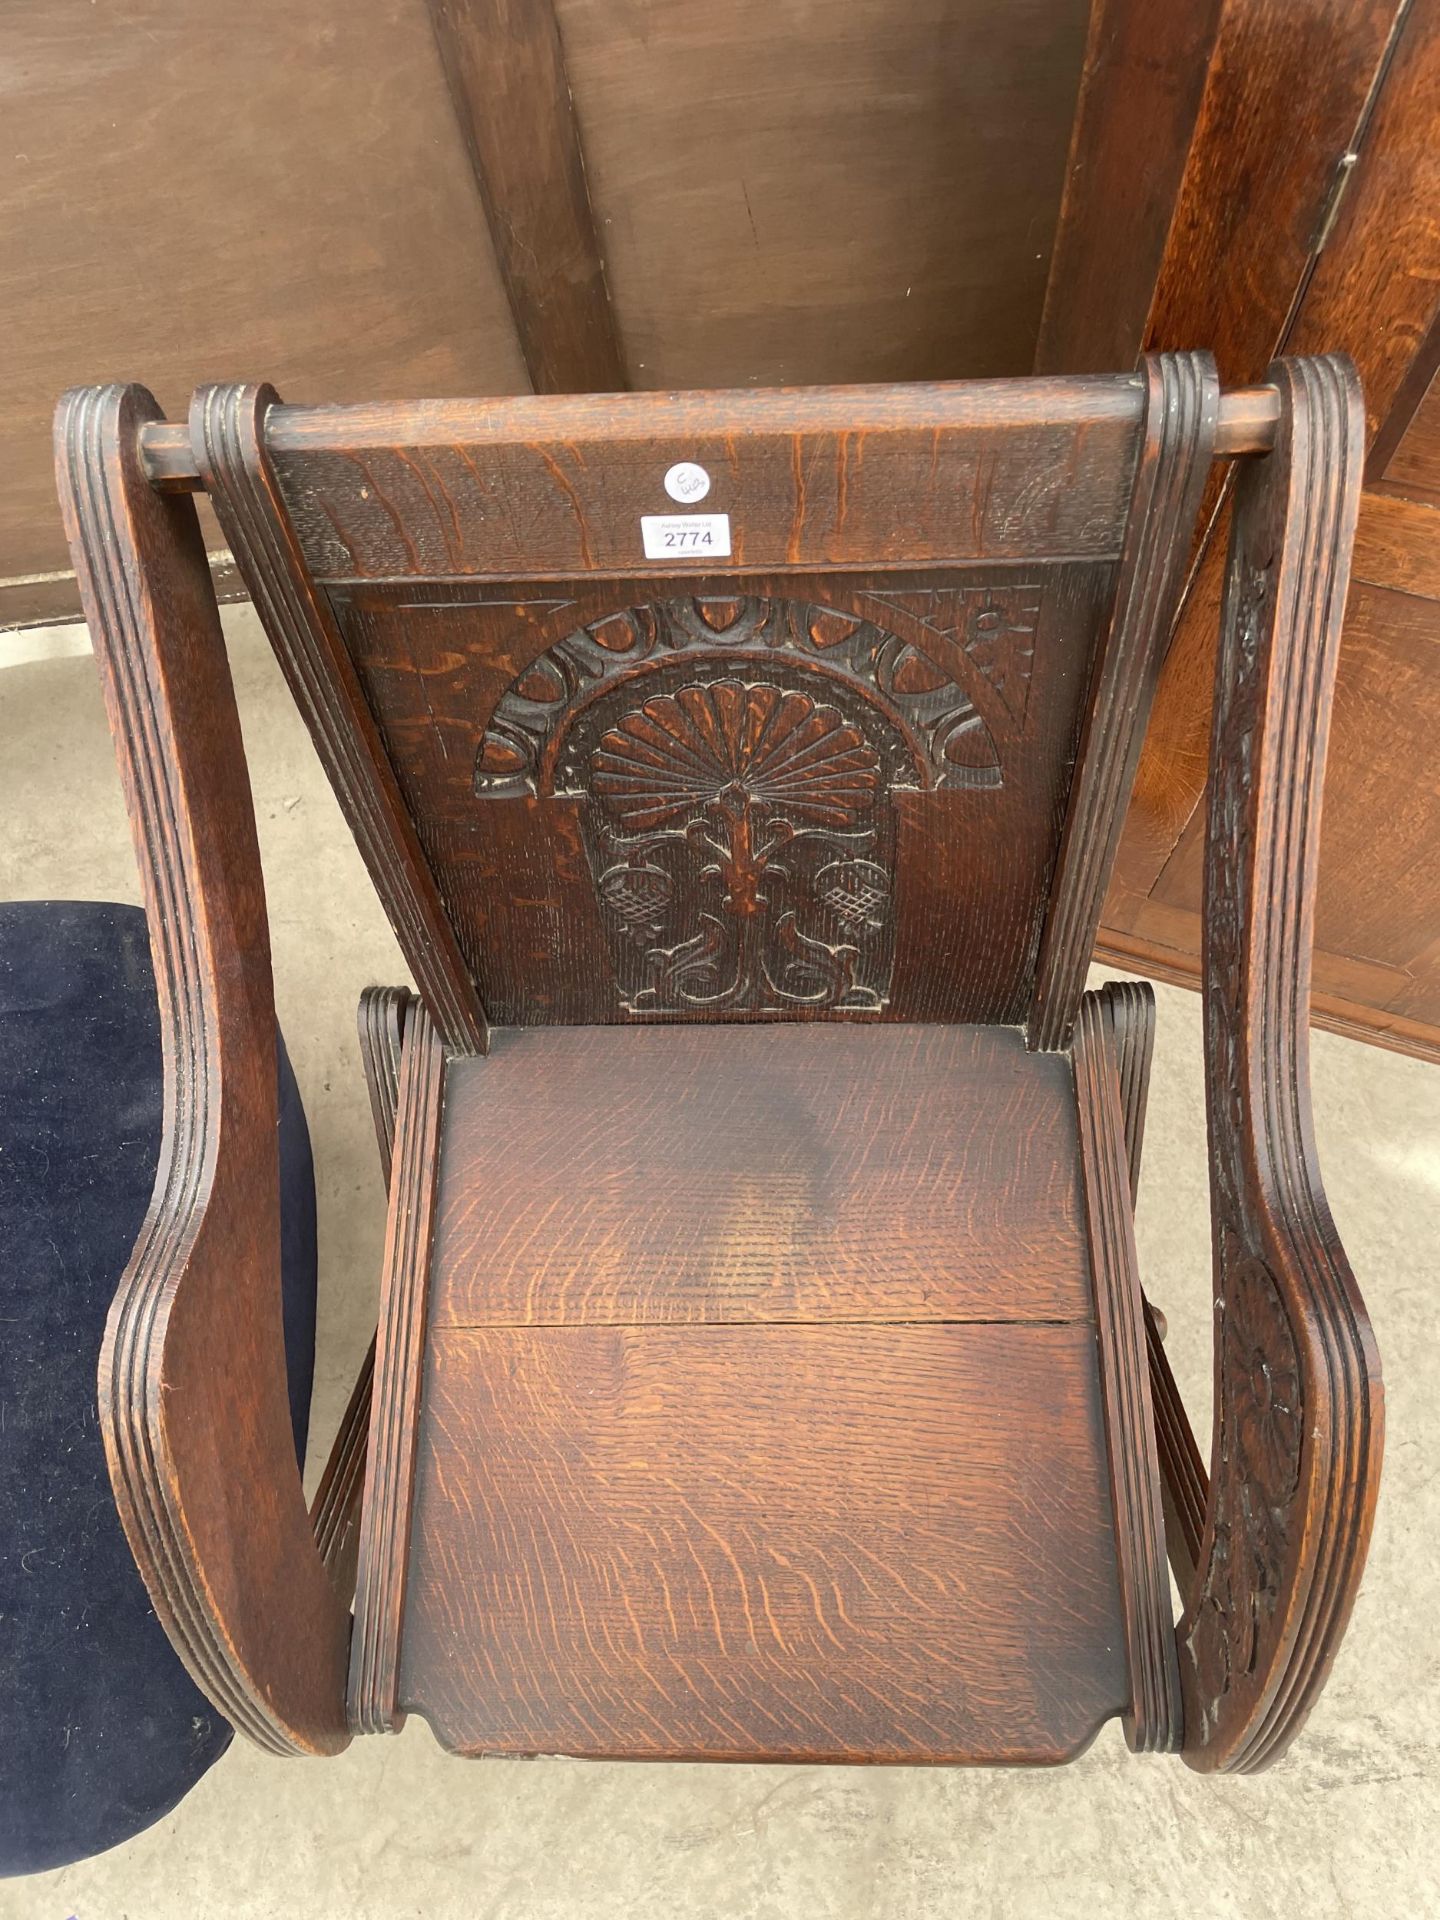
(807, 193)
(968, 683)
(207, 191)
(409, 197)
(1291, 208)
(763, 1367)
(770, 1174)
(985, 470)
(928, 801)
(619, 1554)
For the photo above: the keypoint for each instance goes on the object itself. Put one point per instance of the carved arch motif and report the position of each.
(948, 741)
(733, 758)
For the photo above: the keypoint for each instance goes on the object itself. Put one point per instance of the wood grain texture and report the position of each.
(505, 68)
(1397, 544)
(1252, 206)
(1296, 1455)
(1170, 953)
(1154, 1718)
(200, 1447)
(1287, 92)
(227, 426)
(1410, 431)
(698, 1301)
(924, 890)
(1184, 1482)
(1373, 290)
(324, 228)
(1375, 945)
(1140, 91)
(1129, 1009)
(380, 1020)
(1182, 406)
(1410, 466)
(787, 1543)
(1246, 424)
(1129, 1006)
(657, 1251)
(384, 1552)
(335, 1510)
(553, 486)
(617, 1175)
(806, 192)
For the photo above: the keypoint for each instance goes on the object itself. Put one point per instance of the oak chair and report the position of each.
(763, 1369)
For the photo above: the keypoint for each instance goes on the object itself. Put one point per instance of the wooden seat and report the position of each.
(763, 1369)
(656, 1254)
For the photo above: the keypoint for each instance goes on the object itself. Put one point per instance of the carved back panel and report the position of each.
(832, 774)
(739, 799)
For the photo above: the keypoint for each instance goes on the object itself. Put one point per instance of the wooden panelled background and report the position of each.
(781, 190)
(395, 198)
(1304, 217)
(193, 192)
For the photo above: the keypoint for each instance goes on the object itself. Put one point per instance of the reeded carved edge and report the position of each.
(399, 1358)
(1299, 1407)
(335, 1510)
(91, 428)
(381, 1020)
(140, 565)
(227, 428)
(1153, 1721)
(1181, 415)
(1129, 1006)
(1184, 1484)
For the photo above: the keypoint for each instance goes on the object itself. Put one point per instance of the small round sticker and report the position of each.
(687, 483)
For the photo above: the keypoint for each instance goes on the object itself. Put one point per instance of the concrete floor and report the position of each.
(1349, 1824)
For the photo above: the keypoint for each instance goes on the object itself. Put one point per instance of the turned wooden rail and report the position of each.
(1248, 417)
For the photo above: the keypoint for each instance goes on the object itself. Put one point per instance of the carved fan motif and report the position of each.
(762, 744)
(741, 852)
(732, 760)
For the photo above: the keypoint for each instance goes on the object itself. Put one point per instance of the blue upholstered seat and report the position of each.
(101, 1729)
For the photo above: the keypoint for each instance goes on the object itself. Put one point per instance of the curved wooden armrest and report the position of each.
(1298, 1426)
(192, 1373)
